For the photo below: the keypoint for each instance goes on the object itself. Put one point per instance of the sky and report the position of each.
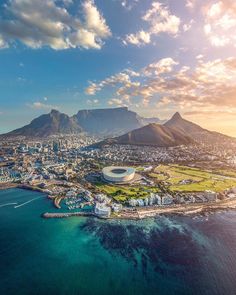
(155, 57)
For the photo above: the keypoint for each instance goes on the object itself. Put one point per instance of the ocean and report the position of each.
(162, 256)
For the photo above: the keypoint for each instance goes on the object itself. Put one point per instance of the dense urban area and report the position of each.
(68, 170)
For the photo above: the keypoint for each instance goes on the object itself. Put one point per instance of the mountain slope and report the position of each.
(108, 121)
(193, 130)
(152, 135)
(48, 124)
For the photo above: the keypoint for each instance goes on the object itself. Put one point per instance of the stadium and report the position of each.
(118, 174)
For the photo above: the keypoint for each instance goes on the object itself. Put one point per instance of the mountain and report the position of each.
(102, 122)
(152, 135)
(113, 121)
(193, 130)
(48, 124)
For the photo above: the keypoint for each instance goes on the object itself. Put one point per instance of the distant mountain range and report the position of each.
(103, 122)
(120, 126)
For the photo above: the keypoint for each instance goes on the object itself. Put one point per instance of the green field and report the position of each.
(122, 193)
(201, 180)
(171, 177)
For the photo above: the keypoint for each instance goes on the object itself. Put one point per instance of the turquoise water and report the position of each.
(166, 255)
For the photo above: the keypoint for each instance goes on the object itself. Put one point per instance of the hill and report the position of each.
(151, 135)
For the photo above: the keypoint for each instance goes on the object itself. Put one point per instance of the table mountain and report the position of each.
(113, 121)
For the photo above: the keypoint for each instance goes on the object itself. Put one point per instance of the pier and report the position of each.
(69, 214)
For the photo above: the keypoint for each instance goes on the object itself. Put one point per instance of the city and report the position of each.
(117, 147)
(69, 171)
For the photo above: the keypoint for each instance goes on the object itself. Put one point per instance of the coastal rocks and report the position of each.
(154, 246)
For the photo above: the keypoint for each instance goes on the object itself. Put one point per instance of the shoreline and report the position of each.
(8, 185)
(186, 210)
(143, 213)
(139, 213)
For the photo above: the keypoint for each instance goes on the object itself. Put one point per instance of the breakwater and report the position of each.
(64, 215)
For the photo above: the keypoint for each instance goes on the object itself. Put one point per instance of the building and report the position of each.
(118, 174)
(101, 210)
(167, 200)
(133, 202)
(117, 207)
(211, 196)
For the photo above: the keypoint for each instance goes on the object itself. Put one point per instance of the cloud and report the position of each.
(209, 85)
(46, 23)
(190, 4)
(128, 4)
(164, 65)
(159, 20)
(188, 26)
(93, 101)
(41, 106)
(220, 23)
(120, 78)
(116, 102)
(139, 38)
(129, 83)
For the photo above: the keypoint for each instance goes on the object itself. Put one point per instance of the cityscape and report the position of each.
(117, 147)
(73, 170)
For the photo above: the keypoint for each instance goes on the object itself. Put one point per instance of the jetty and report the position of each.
(69, 214)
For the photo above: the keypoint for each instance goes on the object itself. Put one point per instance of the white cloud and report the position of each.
(220, 23)
(199, 56)
(116, 102)
(164, 65)
(46, 23)
(128, 4)
(188, 26)
(41, 106)
(190, 3)
(139, 38)
(160, 20)
(120, 78)
(92, 101)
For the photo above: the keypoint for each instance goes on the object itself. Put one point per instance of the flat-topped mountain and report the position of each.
(48, 124)
(108, 121)
(152, 135)
(102, 122)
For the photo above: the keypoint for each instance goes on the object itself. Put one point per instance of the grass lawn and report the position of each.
(123, 193)
(201, 179)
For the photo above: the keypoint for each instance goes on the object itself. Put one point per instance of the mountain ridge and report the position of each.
(103, 122)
